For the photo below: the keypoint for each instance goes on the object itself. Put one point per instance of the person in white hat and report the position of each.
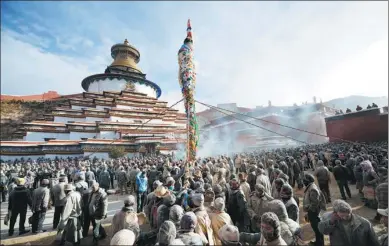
(384, 220)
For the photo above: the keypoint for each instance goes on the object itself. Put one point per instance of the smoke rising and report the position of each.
(228, 139)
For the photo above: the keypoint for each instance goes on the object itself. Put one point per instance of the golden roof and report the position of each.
(127, 55)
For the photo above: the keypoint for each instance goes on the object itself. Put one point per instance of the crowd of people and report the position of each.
(244, 199)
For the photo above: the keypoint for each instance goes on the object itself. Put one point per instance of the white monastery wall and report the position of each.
(100, 155)
(102, 107)
(94, 119)
(78, 107)
(63, 119)
(79, 135)
(40, 136)
(120, 119)
(52, 156)
(108, 135)
(118, 85)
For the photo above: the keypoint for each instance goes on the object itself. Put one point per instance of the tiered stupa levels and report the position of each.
(119, 108)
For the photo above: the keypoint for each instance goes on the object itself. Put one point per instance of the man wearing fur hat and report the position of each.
(257, 205)
(187, 232)
(271, 230)
(70, 222)
(19, 198)
(229, 236)
(40, 203)
(125, 216)
(346, 228)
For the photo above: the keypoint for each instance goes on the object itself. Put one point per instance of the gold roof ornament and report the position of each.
(125, 55)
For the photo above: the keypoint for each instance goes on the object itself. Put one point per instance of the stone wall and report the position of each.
(15, 112)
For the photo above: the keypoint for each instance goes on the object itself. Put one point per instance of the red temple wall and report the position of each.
(361, 128)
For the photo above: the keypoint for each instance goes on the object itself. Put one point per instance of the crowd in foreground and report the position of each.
(245, 199)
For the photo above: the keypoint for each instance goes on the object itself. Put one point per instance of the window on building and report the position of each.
(48, 139)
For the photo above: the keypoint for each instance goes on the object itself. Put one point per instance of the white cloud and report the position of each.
(246, 52)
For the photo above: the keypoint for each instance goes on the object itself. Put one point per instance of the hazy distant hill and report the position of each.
(351, 102)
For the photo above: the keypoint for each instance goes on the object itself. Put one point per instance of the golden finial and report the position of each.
(126, 41)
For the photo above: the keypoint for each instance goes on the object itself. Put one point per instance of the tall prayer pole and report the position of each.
(187, 79)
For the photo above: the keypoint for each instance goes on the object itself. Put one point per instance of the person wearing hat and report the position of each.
(123, 179)
(58, 197)
(229, 236)
(347, 228)
(203, 228)
(40, 203)
(175, 215)
(291, 205)
(312, 206)
(81, 185)
(123, 237)
(126, 215)
(150, 199)
(19, 198)
(187, 232)
(164, 209)
(219, 218)
(70, 223)
(167, 233)
(383, 239)
(271, 230)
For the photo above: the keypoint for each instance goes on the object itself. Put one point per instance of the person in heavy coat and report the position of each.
(3, 186)
(291, 205)
(19, 198)
(123, 180)
(203, 228)
(104, 179)
(70, 223)
(271, 231)
(58, 198)
(263, 180)
(164, 209)
(98, 205)
(166, 234)
(40, 203)
(125, 216)
(290, 229)
(257, 205)
(80, 183)
(277, 184)
(383, 239)
(382, 190)
(244, 186)
(237, 207)
(358, 174)
(187, 232)
(323, 176)
(150, 199)
(370, 182)
(312, 207)
(89, 175)
(347, 228)
(175, 215)
(219, 218)
(340, 175)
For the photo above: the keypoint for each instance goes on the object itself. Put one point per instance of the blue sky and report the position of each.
(246, 52)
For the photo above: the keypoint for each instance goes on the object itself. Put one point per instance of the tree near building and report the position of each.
(117, 152)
